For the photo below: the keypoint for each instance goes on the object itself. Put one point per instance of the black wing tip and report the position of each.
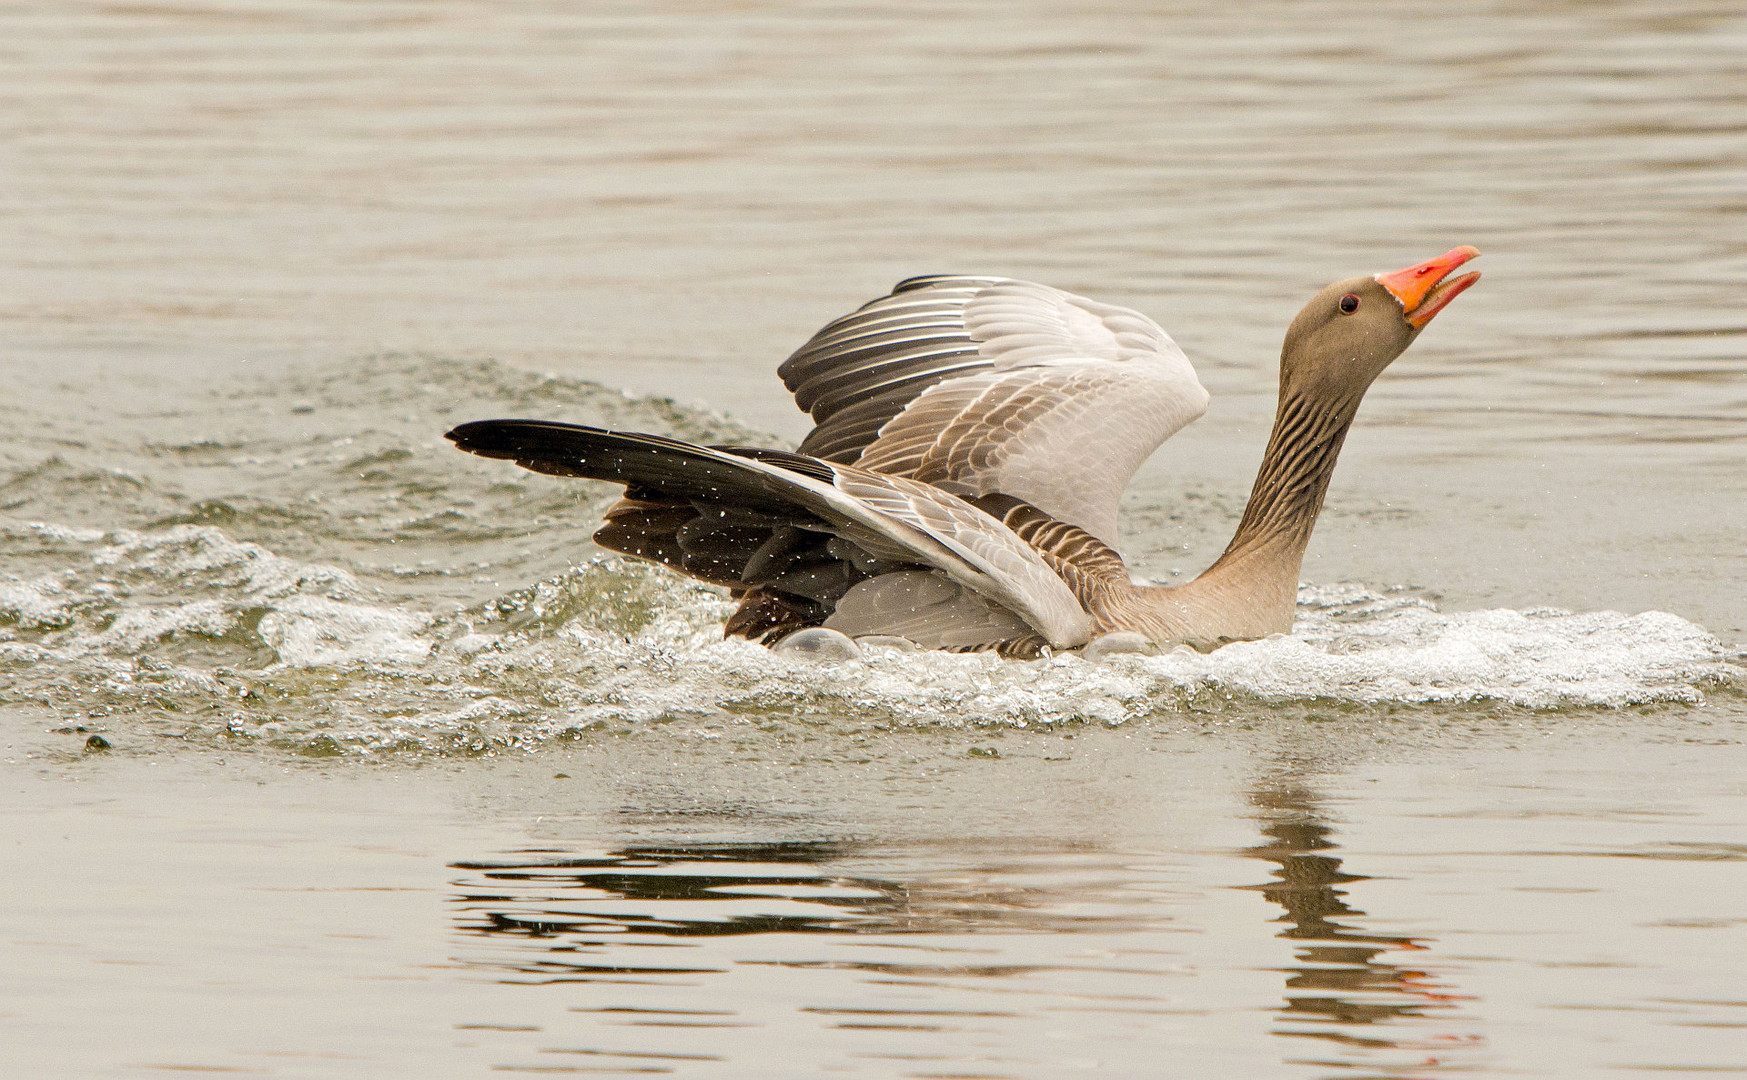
(465, 435)
(489, 436)
(519, 438)
(477, 436)
(474, 427)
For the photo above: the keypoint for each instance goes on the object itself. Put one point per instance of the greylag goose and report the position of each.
(974, 436)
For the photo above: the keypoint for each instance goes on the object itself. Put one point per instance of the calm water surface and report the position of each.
(401, 779)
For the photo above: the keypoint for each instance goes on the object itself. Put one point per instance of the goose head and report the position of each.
(1353, 329)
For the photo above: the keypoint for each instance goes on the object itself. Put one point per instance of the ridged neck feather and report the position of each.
(1293, 479)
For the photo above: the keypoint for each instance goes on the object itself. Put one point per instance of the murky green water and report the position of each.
(402, 776)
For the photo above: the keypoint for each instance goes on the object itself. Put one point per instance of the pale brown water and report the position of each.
(255, 257)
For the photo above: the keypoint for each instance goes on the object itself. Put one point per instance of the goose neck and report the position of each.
(1292, 481)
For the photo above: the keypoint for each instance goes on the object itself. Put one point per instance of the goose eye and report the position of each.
(1349, 304)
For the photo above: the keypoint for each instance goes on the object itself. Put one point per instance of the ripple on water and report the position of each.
(189, 629)
(334, 578)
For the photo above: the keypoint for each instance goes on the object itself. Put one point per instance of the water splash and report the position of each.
(335, 579)
(217, 639)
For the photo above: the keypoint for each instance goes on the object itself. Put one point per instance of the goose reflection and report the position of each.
(668, 891)
(942, 942)
(1346, 982)
(558, 917)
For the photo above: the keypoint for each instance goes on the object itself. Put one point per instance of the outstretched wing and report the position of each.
(981, 385)
(889, 518)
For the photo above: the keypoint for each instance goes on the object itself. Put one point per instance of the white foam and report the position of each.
(136, 628)
(310, 631)
(186, 551)
(1416, 654)
(155, 616)
(35, 603)
(139, 589)
(1352, 645)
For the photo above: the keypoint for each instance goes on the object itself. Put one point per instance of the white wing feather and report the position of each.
(897, 516)
(1062, 400)
(925, 608)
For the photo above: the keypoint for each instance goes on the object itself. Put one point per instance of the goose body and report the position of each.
(973, 439)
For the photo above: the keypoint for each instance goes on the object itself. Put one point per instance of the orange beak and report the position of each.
(1422, 290)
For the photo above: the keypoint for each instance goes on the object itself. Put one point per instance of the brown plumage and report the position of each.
(974, 437)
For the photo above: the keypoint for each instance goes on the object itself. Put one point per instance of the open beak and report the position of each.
(1422, 290)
